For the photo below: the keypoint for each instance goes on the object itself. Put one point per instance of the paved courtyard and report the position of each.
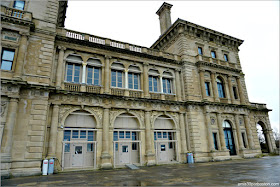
(249, 171)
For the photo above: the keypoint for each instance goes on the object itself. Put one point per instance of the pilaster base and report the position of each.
(106, 161)
(150, 159)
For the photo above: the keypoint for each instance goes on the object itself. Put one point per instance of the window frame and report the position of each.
(201, 49)
(226, 57)
(220, 88)
(215, 140)
(133, 74)
(166, 85)
(73, 72)
(14, 58)
(14, 3)
(153, 77)
(207, 88)
(235, 93)
(93, 75)
(215, 55)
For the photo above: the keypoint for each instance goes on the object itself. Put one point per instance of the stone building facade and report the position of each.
(93, 102)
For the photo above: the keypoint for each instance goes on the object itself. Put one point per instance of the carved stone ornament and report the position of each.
(3, 108)
(212, 121)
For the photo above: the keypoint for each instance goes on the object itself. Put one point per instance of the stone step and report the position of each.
(131, 166)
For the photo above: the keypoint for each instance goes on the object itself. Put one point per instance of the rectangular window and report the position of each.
(134, 146)
(199, 51)
(213, 54)
(93, 75)
(127, 135)
(164, 135)
(67, 148)
(215, 141)
(136, 81)
(133, 81)
(220, 90)
(73, 73)
(96, 76)
(75, 134)
(150, 83)
(19, 4)
(90, 147)
(155, 82)
(155, 136)
(159, 135)
(120, 85)
(243, 138)
(226, 57)
(121, 134)
(90, 135)
(7, 59)
(116, 78)
(115, 135)
(207, 88)
(235, 92)
(166, 83)
(83, 134)
(134, 136)
(67, 135)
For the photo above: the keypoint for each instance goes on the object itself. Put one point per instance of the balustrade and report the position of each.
(72, 87)
(93, 89)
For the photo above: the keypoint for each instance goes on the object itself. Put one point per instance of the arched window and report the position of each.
(154, 81)
(117, 75)
(167, 82)
(226, 124)
(134, 77)
(73, 68)
(93, 71)
(220, 87)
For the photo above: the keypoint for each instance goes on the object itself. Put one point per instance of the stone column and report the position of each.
(235, 140)
(105, 156)
(183, 135)
(202, 84)
(228, 96)
(160, 84)
(53, 131)
(7, 140)
(59, 66)
(146, 80)
(209, 131)
(240, 140)
(240, 91)
(221, 132)
(84, 72)
(107, 75)
(148, 139)
(249, 132)
(21, 55)
(214, 86)
(126, 92)
(230, 88)
(187, 133)
(266, 134)
(178, 86)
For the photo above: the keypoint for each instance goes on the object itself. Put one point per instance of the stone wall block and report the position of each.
(35, 149)
(36, 122)
(33, 155)
(37, 127)
(34, 144)
(36, 138)
(36, 133)
(38, 112)
(40, 107)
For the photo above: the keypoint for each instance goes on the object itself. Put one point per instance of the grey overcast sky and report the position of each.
(256, 22)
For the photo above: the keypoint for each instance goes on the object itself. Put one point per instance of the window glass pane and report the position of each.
(164, 135)
(134, 136)
(119, 79)
(75, 134)
(19, 5)
(115, 135)
(159, 135)
(130, 81)
(90, 135)
(155, 84)
(136, 81)
(121, 134)
(83, 134)
(89, 75)
(8, 55)
(213, 54)
(117, 147)
(127, 134)
(134, 146)
(67, 134)
(164, 85)
(170, 136)
(155, 136)
(77, 74)
(69, 72)
(150, 84)
(125, 149)
(200, 50)
(114, 78)
(67, 147)
(96, 76)
(168, 86)
(90, 147)
(225, 57)
(6, 65)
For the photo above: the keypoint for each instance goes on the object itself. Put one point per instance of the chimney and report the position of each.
(164, 16)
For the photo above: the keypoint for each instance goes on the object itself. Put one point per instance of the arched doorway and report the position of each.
(127, 144)
(79, 141)
(262, 135)
(229, 137)
(165, 140)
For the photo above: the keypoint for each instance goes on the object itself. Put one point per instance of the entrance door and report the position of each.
(124, 153)
(77, 155)
(163, 151)
(229, 141)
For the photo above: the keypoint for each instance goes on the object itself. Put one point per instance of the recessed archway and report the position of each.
(263, 137)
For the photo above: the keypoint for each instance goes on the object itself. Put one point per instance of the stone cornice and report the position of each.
(208, 64)
(13, 20)
(182, 26)
(114, 49)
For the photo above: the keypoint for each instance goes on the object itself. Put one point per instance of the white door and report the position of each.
(77, 155)
(163, 151)
(124, 153)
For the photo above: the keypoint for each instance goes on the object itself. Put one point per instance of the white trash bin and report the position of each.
(45, 167)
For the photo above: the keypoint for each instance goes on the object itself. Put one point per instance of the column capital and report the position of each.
(145, 63)
(108, 57)
(61, 48)
(178, 70)
(24, 33)
(84, 63)
(201, 70)
(14, 99)
(213, 72)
